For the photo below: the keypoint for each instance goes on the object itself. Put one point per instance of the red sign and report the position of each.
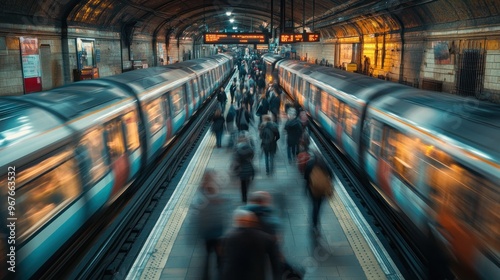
(30, 59)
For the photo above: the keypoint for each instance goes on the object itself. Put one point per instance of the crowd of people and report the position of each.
(256, 228)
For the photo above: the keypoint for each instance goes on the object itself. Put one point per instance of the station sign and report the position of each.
(235, 38)
(288, 38)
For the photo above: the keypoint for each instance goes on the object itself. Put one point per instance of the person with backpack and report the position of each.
(293, 129)
(262, 108)
(243, 118)
(269, 134)
(318, 178)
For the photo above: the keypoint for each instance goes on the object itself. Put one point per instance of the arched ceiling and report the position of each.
(333, 18)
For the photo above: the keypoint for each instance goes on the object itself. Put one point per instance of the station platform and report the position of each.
(347, 248)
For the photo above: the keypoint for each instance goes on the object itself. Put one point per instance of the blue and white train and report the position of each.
(433, 157)
(68, 152)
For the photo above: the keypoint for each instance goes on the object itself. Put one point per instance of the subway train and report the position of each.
(69, 152)
(434, 158)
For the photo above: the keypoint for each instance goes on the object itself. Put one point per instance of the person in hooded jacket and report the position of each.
(269, 134)
(293, 129)
(243, 159)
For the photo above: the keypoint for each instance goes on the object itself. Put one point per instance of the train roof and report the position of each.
(470, 121)
(73, 100)
(355, 86)
(271, 58)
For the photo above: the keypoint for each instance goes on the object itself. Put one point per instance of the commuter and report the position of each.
(222, 98)
(211, 213)
(269, 134)
(231, 129)
(260, 203)
(232, 90)
(262, 108)
(261, 83)
(275, 104)
(218, 126)
(246, 250)
(250, 98)
(243, 118)
(238, 96)
(318, 178)
(293, 129)
(243, 163)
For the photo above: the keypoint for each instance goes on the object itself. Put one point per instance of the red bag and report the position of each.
(302, 159)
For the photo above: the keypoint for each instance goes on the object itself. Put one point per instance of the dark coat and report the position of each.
(243, 157)
(218, 124)
(262, 107)
(293, 128)
(273, 146)
(242, 113)
(245, 252)
(313, 161)
(274, 104)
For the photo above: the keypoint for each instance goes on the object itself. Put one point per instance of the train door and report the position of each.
(196, 92)
(315, 100)
(177, 108)
(190, 103)
(132, 140)
(94, 168)
(168, 117)
(156, 130)
(201, 87)
(118, 159)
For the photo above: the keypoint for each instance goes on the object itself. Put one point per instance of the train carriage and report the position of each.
(440, 166)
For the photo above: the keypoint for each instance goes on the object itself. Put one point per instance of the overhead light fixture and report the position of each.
(231, 20)
(228, 13)
(235, 27)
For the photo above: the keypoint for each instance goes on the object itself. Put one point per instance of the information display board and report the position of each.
(235, 38)
(298, 37)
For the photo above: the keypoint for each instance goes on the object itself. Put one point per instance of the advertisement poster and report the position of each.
(30, 58)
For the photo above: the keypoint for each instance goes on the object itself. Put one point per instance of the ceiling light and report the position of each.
(235, 27)
(231, 20)
(228, 13)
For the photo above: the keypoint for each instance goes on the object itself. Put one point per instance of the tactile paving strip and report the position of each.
(371, 255)
(155, 252)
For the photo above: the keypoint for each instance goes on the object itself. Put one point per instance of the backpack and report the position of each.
(267, 136)
(320, 182)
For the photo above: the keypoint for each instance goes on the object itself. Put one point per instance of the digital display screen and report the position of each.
(299, 37)
(235, 38)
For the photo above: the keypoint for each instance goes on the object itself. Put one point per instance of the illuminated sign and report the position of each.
(298, 37)
(235, 38)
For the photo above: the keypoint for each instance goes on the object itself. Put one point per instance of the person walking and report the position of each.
(275, 103)
(231, 128)
(243, 118)
(269, 134)
(243, 161)
(211, 208)
(222, 98)
(318, 177)
(247, 249)
(232, 90)
(293, 129)
(218, 126)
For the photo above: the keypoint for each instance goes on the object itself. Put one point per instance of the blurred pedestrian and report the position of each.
(231, 128)
(318, 178)
(293, 129)
(243, 161)
(211, 212)
(269, 135)
(232, 90)
(246, 250)
(218, 126)
(222, 98)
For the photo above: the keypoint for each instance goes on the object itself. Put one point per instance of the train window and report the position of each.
(94, 147)
(132, 130)
(189, 93)
(45, 189)
(333, 107)
(178, 102)
(208, 88)
(351, 119)
(201, 87)
(315, 95)
(402, 152)
(373, 134)
(114, 137)
(155, 116)
(194, 86)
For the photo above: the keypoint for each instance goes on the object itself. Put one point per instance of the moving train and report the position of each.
(68, 152)
(434, 158)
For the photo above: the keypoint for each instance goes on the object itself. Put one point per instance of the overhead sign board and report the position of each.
(298, 37)
(235, 38)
